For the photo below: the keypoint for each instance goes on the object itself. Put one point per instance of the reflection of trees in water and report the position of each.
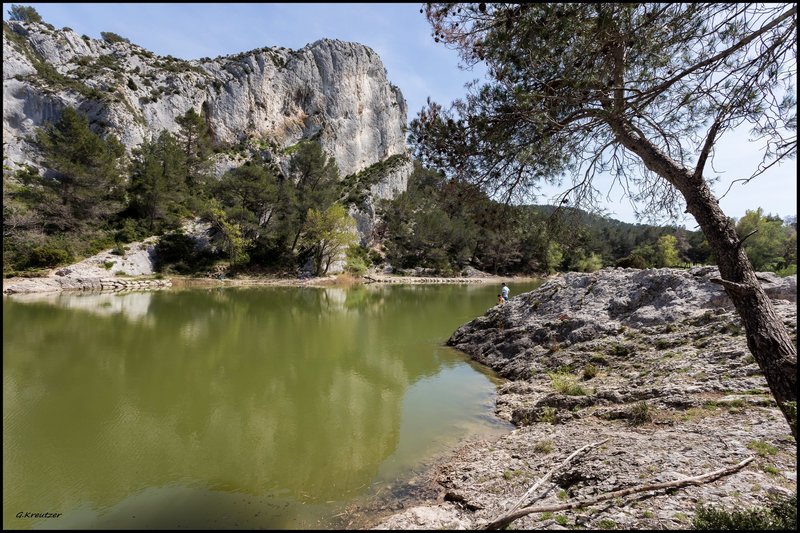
(256, 390)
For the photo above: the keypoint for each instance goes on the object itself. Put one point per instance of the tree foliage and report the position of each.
(769, 243)
(111, 37)
(328, 234)
(157, 188)
(569, 76)
(24, 13)
(84, 178)
(195, 139)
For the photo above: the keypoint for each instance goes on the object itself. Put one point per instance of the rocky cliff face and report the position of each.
(268, 99)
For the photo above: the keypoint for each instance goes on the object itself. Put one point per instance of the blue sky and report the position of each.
(399, 33)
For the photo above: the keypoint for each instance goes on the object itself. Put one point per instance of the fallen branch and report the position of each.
(536, 485)
(698, 480)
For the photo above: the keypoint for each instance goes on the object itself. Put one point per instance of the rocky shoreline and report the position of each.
(656, 361)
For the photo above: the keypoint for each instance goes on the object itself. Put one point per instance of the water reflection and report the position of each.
(292, 394)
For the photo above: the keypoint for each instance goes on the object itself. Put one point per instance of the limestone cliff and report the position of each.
(266, 100)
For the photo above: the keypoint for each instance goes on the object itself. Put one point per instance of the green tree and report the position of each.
(24, 13)
(227, 235)
(251, 196)
(765, 240)
(316, 182)
(554, 257)
(429, 226)
(111, 37)
(195, 138)
(641, 90)
(666, 251)
(328, 234)
(156, 189)
(591, 263)
(84, 172)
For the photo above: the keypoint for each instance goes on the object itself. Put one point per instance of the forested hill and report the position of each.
(446, 226)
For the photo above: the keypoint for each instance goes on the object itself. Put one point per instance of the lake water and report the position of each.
(252, 407)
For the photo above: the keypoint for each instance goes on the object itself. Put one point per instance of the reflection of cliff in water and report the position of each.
(132, 305)
(232, 389)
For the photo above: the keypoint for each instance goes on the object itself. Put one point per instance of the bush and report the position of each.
(24, 14)
(119, 250)
(174, 249)
(620, 350)
(375, 258)
(357, 257)
(781, 514)
(639, 413)
(589, 371)
(49, 255)
(762, 448)
(566, 384)
(543, 446)
(129, 232)
(547, 415)
(632, 261)
(111, 37)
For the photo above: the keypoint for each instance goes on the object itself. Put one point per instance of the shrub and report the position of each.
(566, 384)
(620, 350)
(119, 250)
(130, 231)
(543, 446)
(24, 13)
(589, 371)
(762, 448)
(547, 416)
(356, 260)
(111, 37)
(781, 514)
(173, 248)
(639, 413)
(375, 258)
(49, 255)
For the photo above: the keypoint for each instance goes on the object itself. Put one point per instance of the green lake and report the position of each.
(238, 408)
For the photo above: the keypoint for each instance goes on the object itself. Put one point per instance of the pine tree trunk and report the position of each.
(767, 337)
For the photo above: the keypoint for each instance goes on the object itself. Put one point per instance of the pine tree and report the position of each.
(24, 13)
(157, 189)
(640, 90)
(195, 139)
(84, 171)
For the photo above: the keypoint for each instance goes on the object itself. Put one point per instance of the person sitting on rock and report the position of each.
(500, 299)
